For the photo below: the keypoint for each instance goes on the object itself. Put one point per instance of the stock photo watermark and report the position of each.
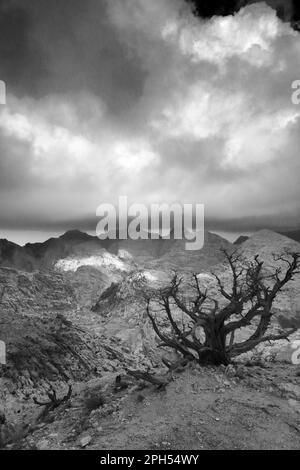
(295, 358)
(2, 353)
(296, 94)
(2, 92)
(140, 222)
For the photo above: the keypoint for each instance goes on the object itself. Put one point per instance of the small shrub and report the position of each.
(93, 402)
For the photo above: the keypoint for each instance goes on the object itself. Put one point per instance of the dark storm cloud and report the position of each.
(21, 64)
(209, 8)
(66, 46)
(286, 9)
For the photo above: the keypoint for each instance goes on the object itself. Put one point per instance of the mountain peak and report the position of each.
(240, 240)
(5, 243)
(75, 235)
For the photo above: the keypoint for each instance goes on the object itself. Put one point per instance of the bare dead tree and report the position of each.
(54, 401)
(248, 301)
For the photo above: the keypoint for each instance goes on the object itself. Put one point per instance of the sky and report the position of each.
(147, 100)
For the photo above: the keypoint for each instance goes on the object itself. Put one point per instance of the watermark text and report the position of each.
(296, 93)
(140, 222)
(2, 353)
(2, 92)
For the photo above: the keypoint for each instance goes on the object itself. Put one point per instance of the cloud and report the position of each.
(162, 106)
(249, 35)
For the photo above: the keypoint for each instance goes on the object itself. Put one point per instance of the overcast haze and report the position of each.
(144, 99)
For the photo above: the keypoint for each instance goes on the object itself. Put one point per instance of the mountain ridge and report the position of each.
(74, 243)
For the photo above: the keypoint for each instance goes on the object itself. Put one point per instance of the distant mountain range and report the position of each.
(35, 256)
(75, 249)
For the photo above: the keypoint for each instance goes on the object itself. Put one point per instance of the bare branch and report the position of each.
(53, 401)
(159, 382)
(248, 345)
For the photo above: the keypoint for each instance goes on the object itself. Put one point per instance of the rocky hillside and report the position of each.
(43, 342)
(121, 309)
(267, 243)
(41, 349)
(44, 255)
(175, 257)
(88, 283)
(40, 291)
(88, 325)
(14, 256)
(201, 409)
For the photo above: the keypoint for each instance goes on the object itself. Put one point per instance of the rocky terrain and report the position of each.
(23, 292)
(202, 409)
(73, 313)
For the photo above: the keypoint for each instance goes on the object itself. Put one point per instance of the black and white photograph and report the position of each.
(149, 228)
